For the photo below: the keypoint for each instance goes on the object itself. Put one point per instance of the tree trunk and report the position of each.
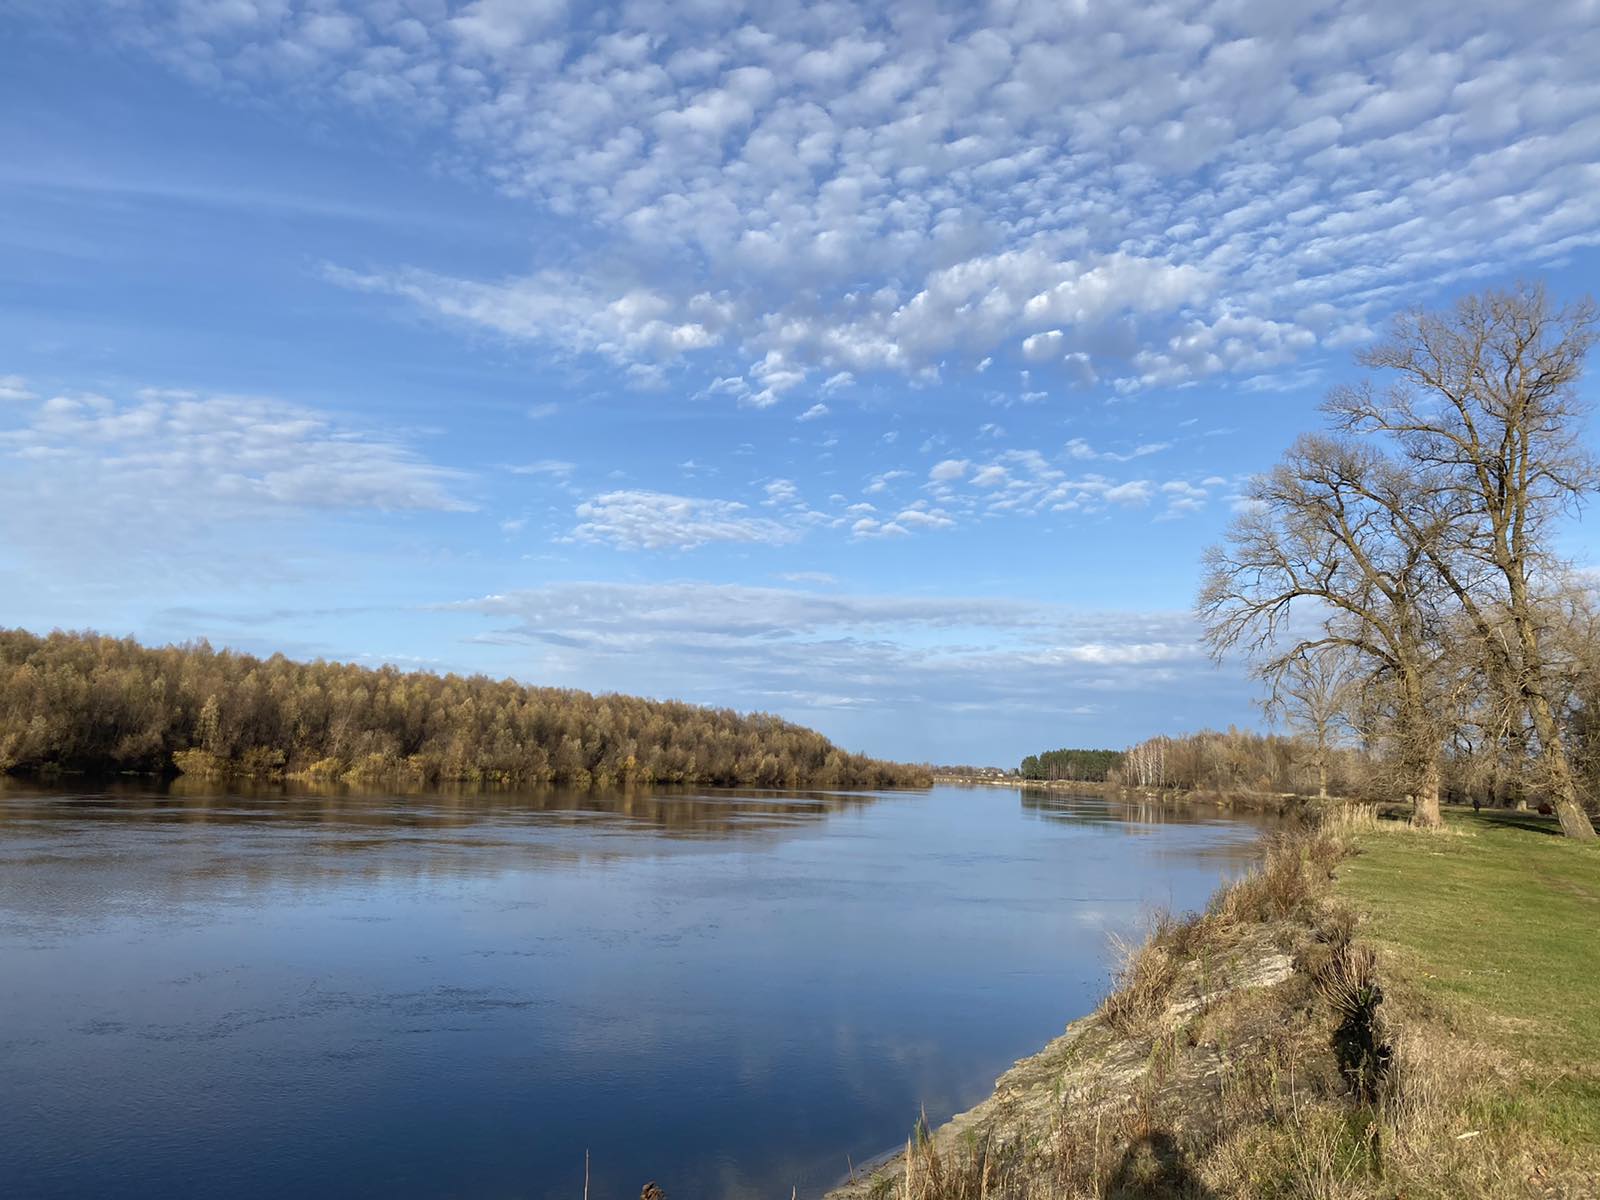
(1564, 792)
(1575, 822)
(1517, 784)
(1322, 779)
(1425, 800)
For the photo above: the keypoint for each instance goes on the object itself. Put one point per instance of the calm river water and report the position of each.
(281, 994)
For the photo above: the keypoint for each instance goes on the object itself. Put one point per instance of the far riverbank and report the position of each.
(1275, 803)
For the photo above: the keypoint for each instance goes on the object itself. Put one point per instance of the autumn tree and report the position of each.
(90, 703)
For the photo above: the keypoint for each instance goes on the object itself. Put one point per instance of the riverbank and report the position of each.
(1374, 1012)
(1279, 803)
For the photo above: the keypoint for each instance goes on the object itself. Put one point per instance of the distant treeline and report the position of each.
(1241, 760)
(83, 702)
(1077, 766)
(1232, 760)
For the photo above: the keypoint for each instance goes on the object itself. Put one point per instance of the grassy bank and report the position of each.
(1373, 1013)
(1494, 937)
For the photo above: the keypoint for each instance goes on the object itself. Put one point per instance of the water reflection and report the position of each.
(293, 991)
(685, 811)
(336, 831)
(1121, 809)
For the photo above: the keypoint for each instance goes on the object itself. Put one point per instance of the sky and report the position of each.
(884, 366)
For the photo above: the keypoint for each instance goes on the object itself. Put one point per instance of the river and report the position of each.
(287, 993)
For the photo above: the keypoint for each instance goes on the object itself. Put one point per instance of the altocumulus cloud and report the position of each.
(140, 476)
(642, 520)
(962, 491)
(808, 652)
(779, 193)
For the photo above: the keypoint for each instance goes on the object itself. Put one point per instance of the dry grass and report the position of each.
(1348, 819)
(1294, 871)
(1121, 1152)
(1344, 1082)
(1145, 978)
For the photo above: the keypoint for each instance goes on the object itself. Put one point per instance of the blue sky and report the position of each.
(883, 366)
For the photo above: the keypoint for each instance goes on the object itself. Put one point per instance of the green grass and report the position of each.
(1499, 929)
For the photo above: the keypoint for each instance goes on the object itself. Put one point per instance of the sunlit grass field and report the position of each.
(1496, 931)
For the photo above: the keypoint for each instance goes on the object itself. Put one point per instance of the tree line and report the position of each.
(1395, 579)
(1077, 766)
(1242, 760)
(1225, 761)
(86, 702)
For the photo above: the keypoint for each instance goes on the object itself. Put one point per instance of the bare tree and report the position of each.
(1312, 691)
(1484, 408)
(1573, 650)
(1145, 764)
(1320, 559)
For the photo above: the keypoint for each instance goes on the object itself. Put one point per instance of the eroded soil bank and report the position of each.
(1109, 1082)
(1268, 1047)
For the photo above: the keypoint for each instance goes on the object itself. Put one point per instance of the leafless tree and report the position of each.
(1145, 765)
(1322, 558)
(1573, 651)
(1483, 409)
(1312, 692)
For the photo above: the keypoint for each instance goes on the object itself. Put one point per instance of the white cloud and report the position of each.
(15, 387)
(1135, 491)
(641, 520)
(781, 492)
(1038, 347)
(1184, 497)
(637, 326)
(1228, 190)
(553, 467)
(924, 518)
(813, 413)
(496, 28)
(757, 646)
(1030, 482)
(949, 470)
(881, 483)
(1080, 448)
(110, 501)
(171, 450)
(870, 527)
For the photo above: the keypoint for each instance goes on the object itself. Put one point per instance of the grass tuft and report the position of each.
(1145, 979)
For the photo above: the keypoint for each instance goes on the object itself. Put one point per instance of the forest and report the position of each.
(1077, 766)
(1243, 760)
(88, 703)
